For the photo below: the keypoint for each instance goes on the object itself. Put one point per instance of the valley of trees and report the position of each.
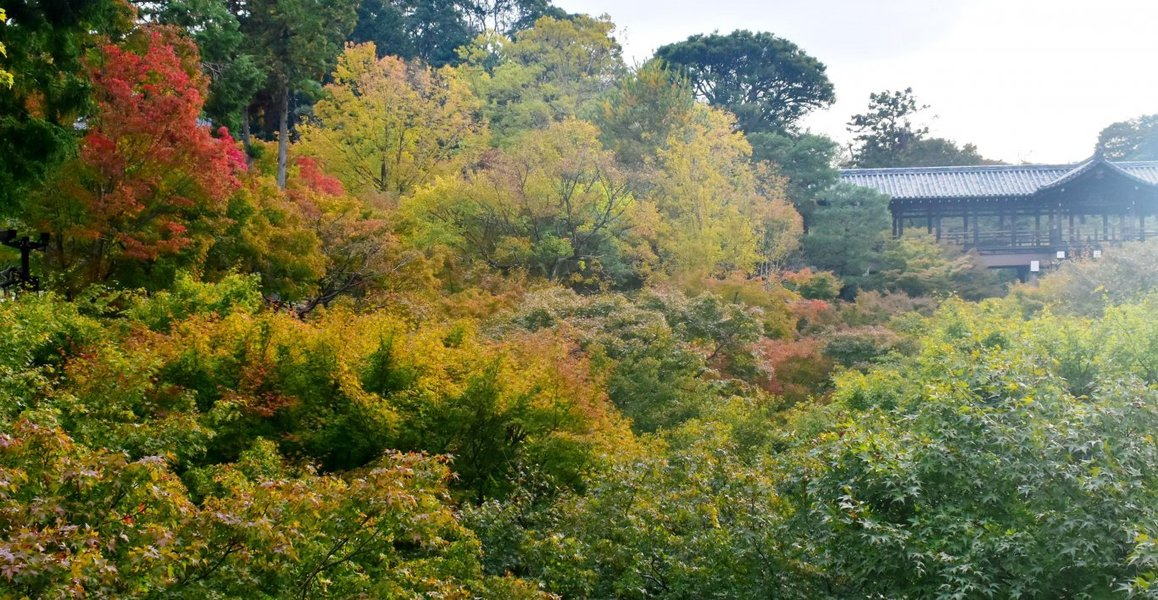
(418, 299)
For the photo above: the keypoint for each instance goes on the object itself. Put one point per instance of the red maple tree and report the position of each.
(150, 180)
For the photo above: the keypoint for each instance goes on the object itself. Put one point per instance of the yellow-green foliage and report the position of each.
(1087, 286)
(387, 127)
(199, 387)
(556, 205)
(1002, 437)
(126, 527)
(554, 70)
(715, 208)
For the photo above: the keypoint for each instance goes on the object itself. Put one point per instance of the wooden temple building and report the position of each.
(1018, 215)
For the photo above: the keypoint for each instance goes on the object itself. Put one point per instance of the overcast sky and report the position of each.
(1024, 80)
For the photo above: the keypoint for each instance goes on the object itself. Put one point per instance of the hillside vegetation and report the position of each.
(406, 299)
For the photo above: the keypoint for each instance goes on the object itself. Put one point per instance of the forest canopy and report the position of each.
(409, 299)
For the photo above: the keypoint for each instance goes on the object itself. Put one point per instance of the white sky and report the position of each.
(1024, 80)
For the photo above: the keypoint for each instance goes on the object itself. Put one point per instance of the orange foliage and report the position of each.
(796, 369)
(814, 316)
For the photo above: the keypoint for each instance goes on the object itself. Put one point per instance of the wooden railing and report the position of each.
(1030, 239)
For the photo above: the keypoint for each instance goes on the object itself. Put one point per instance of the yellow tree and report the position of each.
(555, 204)
(718, 212)
(555, 70)
(579, 56)
(386, 127)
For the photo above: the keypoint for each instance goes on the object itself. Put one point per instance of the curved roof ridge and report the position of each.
(1097, 160)
(1080, 169)
(1121, 168)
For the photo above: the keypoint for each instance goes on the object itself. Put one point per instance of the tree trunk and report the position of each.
(245, 127)
(283, 136)
(245, 141)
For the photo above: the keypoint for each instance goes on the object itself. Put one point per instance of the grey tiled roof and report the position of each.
(1141, 172)
(990, 181)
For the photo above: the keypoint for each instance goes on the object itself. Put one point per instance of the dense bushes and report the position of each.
(985, 462)
(83, 522)
(184, 443)
(179, 448)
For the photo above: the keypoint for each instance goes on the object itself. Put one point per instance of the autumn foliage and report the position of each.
(150, 181)
(528, 325)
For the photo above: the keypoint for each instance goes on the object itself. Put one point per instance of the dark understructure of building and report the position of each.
(1023, 216)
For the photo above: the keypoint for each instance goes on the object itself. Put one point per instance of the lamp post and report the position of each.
(22, 277)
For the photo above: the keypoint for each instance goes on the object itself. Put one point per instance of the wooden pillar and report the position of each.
(938, 228)
(929, 218)
(1105, 226)
(1037, 228)
(900, 225)
(976, 228)
(1072, 231)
